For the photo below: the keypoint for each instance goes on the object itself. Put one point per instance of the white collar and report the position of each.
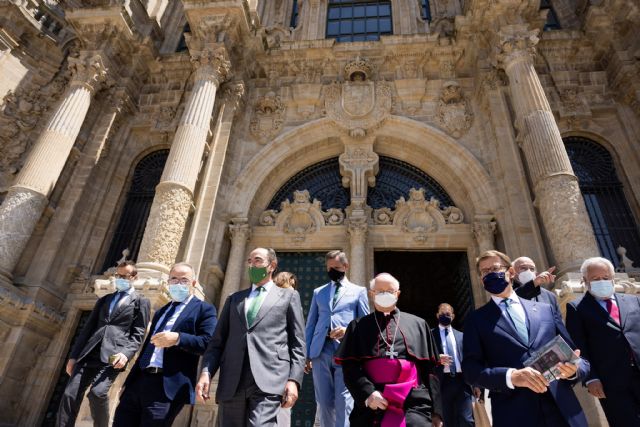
(513, 297)
(442, 328)
(267, 286)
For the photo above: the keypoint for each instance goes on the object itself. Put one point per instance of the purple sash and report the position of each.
(399, 377)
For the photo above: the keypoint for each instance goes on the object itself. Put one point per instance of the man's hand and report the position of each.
(202, 388)
(529, 378)
(120, 361)
(375, 401)
(445, 360)
(337, 333)
(596, 390)
(290, 395)
(165, 339)
(308, 366)
(436, 420)
(477, 392)
(568, 370)
(70, 365)
(545, 278)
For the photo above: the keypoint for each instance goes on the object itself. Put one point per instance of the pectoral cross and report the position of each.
(392, 354)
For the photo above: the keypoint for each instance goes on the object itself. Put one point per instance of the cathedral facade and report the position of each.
(414, 134)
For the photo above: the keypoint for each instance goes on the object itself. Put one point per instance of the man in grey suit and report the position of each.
(259, 348)
(111, 337)
(333, 306)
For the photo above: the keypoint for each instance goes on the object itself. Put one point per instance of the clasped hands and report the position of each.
(535, 381)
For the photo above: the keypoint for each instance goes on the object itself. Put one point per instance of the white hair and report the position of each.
(520, 260)
(590, 262)
(387, 277)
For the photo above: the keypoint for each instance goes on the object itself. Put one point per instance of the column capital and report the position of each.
(513, 43)
(239, 230)
(483, 230)
(89, 71)
(212, 63)
(358, 227)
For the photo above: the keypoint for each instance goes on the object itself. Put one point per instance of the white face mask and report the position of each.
(602, 289)
(385, 299)
(526, 276)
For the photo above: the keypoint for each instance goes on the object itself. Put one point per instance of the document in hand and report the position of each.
(545, 360)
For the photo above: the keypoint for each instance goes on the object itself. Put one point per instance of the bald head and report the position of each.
(384, 280)
(523, 263)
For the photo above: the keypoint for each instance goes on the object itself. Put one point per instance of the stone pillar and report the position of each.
(240, 233)
(174, 194)
(557, 195)
(27, 197)
(358, 228)
(484, 230)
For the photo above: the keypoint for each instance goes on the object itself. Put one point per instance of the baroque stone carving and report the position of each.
(88, 71)
(268, 117)
(418, 216)
(211, 64)
(454, 113)
(514, 42)
(358, 104)
(358, 167)
(301, 217)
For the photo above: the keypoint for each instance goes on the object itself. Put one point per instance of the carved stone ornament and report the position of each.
(301, 217)
(90, 72)
(454, 113)
(358, 70)
(358, 105)
(418, 216)
(268, 117)
(514, 42)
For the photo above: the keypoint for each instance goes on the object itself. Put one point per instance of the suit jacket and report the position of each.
(352, 303)
(537, 293)
(607, 345)
(492, 346)
(195, 325)
(120, 332)
(274, 343)
(438, 339)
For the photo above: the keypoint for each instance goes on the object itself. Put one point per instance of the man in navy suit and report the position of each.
(333, 306)
(530, 285)
(606, 326)
(457, 395)
(163, 379)
(500, 336)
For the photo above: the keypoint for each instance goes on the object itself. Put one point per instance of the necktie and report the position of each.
(518, 321)
(613, 310)
(447, 336)
(255, 305)
(145, 357)
(115, 301)
(335, 294)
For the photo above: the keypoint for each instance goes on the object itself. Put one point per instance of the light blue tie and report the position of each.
(450, 352)
(518, 321)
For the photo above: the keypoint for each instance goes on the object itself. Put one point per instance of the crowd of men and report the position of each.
(385, 367)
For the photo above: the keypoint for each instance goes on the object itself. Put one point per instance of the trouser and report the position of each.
(334, 400)
(99, 378)
(622, 405)
(456, 401)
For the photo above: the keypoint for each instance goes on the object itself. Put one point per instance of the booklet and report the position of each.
(545, 360)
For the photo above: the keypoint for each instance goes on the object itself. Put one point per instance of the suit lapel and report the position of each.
(272, 297)
(623, 308)
(504, 323)
(601, 312)
(344, 289)
(325, 295)
(242, 297)
(532, 319)
(121, 304)
(185, 313)
(459, 337)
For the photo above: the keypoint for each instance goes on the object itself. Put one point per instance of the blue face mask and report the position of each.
(496, 282)
(122, 285)
(602, 289)
(179, 292)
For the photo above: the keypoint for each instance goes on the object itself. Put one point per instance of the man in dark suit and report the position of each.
(108, 341)
(457, 395)
(530, 285)
(500, 336)
(606, 326)
(259, 348)
(163, 378)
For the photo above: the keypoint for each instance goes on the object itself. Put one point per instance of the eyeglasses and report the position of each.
(493, 269)
(123, 276)
(176, 281)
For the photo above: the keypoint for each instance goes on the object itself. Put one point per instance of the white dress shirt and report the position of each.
(517, 306)
(254, 294)
(113, 304)
(456, 357)
(158, 354)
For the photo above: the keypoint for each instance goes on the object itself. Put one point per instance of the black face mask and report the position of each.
(444, 319)
(495, 283)
(335, 275)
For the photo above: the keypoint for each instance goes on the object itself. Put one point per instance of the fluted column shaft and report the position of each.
(557, 195)
(358, 243)
(174, 193)
(240, 233)
(27, 197)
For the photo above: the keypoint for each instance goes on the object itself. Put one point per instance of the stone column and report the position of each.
(358, 228)
(557, 195)
(484, 230)
(174, 194)
(240, 233)
(27, 197)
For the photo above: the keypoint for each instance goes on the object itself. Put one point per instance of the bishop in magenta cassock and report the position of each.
(388, 359)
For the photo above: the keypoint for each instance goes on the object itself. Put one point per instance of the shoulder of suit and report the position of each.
(321, 287)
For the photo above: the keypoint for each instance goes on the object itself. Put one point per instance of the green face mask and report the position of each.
(257, 274)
